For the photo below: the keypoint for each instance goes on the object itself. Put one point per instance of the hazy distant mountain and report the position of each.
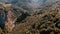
(29, 1)
(32, 4)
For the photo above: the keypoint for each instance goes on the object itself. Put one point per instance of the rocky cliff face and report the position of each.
(8, 15)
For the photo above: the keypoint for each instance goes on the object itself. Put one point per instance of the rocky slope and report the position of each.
(42, 21)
